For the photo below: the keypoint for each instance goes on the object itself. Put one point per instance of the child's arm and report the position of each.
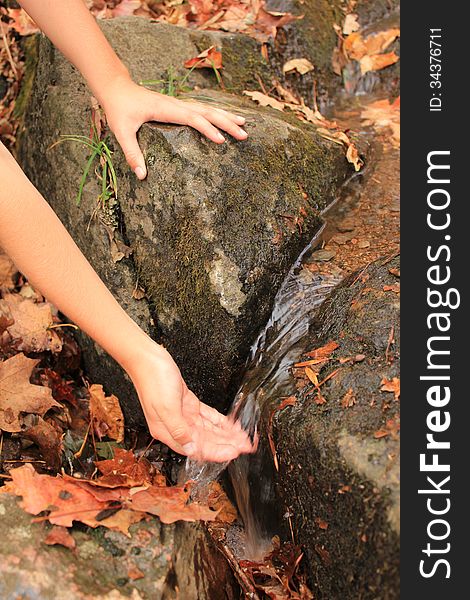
(41, 248)
(71, 27)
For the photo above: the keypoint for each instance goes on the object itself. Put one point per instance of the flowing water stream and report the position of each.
(268, 377)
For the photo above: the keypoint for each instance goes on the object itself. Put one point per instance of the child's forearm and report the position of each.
(41, 248)
(74, 31)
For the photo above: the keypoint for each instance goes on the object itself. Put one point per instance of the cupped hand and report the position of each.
(128, 105)
(176, 417)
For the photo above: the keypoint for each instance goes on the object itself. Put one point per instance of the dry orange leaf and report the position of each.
(356, 47)
(321, 523)
(125, 470)
(31, 324)
(170, 504)
(348, 399)
(210, 58)
(135, 573)
(392, 288)
(60, 536)
(391, 385)
(106, 414)
(323, 352)
(265, 100)
(377, 62)
(301, 65)
(18, 395)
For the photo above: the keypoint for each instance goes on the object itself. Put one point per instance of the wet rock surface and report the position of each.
(339, 461)
(213, 229)
(157, 562)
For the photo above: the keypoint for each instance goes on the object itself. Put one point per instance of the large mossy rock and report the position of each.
(158, 562)
(338, 478)
(213, 229)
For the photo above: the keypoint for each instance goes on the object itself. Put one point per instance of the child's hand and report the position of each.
(128, 106)
(176, 417)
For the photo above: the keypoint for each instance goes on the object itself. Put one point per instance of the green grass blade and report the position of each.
(86, 170)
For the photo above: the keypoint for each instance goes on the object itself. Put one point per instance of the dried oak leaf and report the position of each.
(106, 414)
(268, 22)
(391, 385)
(265, 100)
(68, 500)
(170, 504)
(301, 65)
(290, 401)
(31, 324)
(211, 58)
(60, 536)
(18, 395)
(356, 46)
(377, 62)
(125, 470)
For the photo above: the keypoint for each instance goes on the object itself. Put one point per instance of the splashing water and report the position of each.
(268, 377)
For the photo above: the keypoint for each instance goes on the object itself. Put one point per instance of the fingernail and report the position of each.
(220, 137)
(242, 132)
(189, 448)
(140, 172)
(241, 119)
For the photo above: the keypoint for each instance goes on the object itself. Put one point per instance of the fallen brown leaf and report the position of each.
(30, 329)
(106, 414)
(210, 58)
(60, 536)
(125, 470)
(348, 399)
(18, 395)
(391, 385)
(170, 504)
(324, 352)
(265, 100)
(301, 65)
(135, 573)
(377, 62)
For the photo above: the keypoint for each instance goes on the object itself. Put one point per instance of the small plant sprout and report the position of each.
(106, 173)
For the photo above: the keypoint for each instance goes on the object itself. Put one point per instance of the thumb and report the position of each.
(135, 159)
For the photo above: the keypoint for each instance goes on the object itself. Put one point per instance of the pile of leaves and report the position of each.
(244, 16)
